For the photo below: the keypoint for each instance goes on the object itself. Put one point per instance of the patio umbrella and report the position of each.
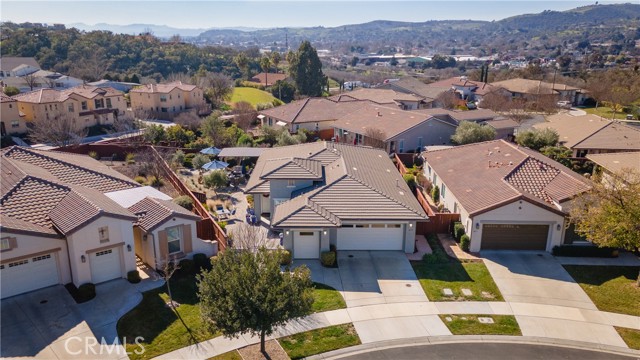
(215, 165)
(211, 151)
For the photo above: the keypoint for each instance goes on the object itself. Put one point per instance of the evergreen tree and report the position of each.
(306, 70)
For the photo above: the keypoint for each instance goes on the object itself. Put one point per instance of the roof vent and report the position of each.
(510, 162)
(490, 152)
(355, 168)
(397, 183)
(379, 114)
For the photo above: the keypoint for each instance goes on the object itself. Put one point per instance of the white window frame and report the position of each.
(5, 244)
(400, 146)
(170, 239)
(291, 183)
(443, 190)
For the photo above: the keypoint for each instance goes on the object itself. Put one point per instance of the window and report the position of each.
(347, 226)
(401, 145)
(361, 225)
(358, 139)
(174, 236)
(6, 245)
(103, 232)
(163, 98)
(84, 105)
(109, 103)
(163, 110)
(429, 170)
(378, 226)
(10, 106)
(297, 127)
(455, 207)
(443, 191)
(397, 226)
(435, 179)
(291, 183)
(43, 257)
(306, 233)
(15, 123)
(99, 103)
(420, 140)
(317, 126)
(70, 108)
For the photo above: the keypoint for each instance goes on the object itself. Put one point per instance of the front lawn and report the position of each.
(456, 276)
(161, 329)
(605, 112)
(251, 95)
(319, 341)
(611, 288)
(469, 325)
(630, 336)
(326, 298)
(231, 355)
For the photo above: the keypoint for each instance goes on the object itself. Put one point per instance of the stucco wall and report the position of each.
(280, 190)
(197, 245)
(433, 132)
(29, 244)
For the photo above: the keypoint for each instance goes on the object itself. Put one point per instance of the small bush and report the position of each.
(328, 258)
(410, 179)
(140, 179)
(187, 266)
(250, 200)
(184, 201)
(458, 230)
(465, 242)
(86, 292)
(223, 225)
(93, 154)
(435, 194)
(332, 248)
(201, 262)
(130, 158)
(584, 251)
(188, 160)
(285, 257)
(134, 276)
(154, 181)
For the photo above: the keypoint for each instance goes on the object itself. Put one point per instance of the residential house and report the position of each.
(165, 101)
(11, 121)
(399, 130)
(323, 193)
(410, 85)
(59, 225)
(517, 199)
(85, 105)
(505, 128)
(592, 134)
(313, 114)
(268, 79)
(533, 89)
(386, 97)
(25, 74)
(465, 89)
(615, 163)
(118, 85)
(11, 66)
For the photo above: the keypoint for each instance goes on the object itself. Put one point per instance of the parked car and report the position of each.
(471, 105)
(564, 104)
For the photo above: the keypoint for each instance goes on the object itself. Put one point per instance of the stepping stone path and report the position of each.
(487, 295)
(485, 320)
(448, 318)
(447, 292)
(467, 292)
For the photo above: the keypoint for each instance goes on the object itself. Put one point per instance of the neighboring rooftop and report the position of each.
(478, 87)
(380, 96)
(412, 85)
(536, 87)
(162, 88)
(456, 116)
(359, 183)
(47, 95)
(152, 212)
(502, 124)
(128, 197)
(503, 173)
(617, 162)
(312, 110)
(9, 63)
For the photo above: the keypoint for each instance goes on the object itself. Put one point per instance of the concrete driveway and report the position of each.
(48, 323)
(537, 288)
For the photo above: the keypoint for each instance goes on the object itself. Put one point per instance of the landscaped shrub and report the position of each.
(201, 262)
(187, 266)
(93, 154)
(134, 276)
(410, 179)
(140, 179)
(285, 257)
(154, 181)
(188, 160)
(130, 158)
(328, 258)
(250, 200)
(458, 230)
(585, 251)
(86, 292)
(438, 256)
(184, 201)
(435, 194)
(223, 225)
(465, 242)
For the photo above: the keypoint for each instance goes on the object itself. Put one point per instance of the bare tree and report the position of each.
(167, 268)
(247, 237)
(188, 120)
(496, 101)
(447, 99)
(58, 129)
(245, 114)
(31, 80)
(182, 77)
(617, 88)
(218, 87)
(148, 163)
(375, 137)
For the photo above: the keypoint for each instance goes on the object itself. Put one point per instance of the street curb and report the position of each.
(436, 340)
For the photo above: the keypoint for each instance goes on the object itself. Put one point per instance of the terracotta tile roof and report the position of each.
(292, 168)
(10, 224)
(592, 132)
(271, 78)
(152, 212)
(414, 86)
(502, 173)
(39, 96)
(6, 98)
(502, 124)
(380, 96)
(360, 183)
(618, 161)
(73, 169)
(32, 199)
(478, 87)
(163, 88)
(459, 115)
(313, 110)
(525, 86)
(47, 95)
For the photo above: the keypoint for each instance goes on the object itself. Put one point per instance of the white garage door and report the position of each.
(29, 274)
(371, 237)
(306, 244)
(105, 265)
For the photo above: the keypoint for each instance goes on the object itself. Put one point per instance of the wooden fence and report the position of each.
(400, 165)
(438, 222)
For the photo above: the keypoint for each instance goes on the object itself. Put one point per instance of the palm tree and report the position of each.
(275, 59)
(265, 64)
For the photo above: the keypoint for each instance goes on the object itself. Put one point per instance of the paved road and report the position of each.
(480, 351)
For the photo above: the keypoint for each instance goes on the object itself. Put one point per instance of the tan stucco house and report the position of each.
(11, 121)
(165, 101)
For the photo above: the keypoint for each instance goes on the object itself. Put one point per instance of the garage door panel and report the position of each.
(29, 274)
(370, 238)
(306, 245)
(514, 237)
(105, 265)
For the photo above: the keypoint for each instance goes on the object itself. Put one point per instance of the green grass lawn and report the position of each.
(611, 288)
(605, 112)
(161, 329)
(327, 298)
(630, 336)
(231, 355)
(250, 95)
(319, 341)
(469, 325)
(456, 276)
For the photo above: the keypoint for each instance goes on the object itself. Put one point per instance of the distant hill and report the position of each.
(157, 30)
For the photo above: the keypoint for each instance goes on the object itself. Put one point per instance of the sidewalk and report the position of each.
(625, 259)
(453, 250)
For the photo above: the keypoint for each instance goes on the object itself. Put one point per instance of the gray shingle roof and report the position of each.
(293, 168)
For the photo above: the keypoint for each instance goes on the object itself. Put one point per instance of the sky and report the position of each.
(268, 14)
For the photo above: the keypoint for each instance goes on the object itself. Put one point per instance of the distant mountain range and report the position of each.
(158, 30)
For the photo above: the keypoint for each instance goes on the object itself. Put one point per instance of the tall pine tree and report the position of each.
(306, 70)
